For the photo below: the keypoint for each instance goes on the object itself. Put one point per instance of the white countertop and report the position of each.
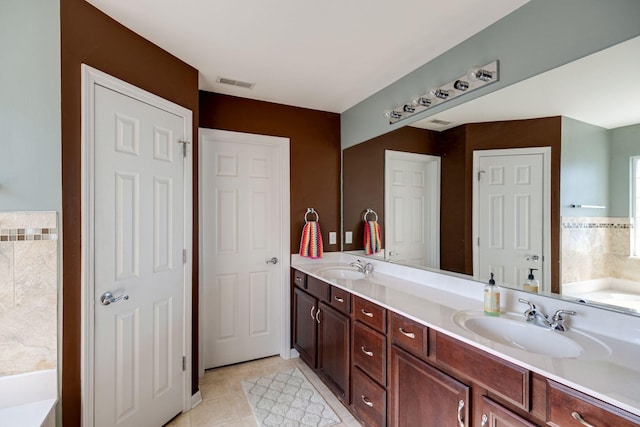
(433, 298)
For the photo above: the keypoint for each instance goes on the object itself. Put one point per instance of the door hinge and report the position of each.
(184, 147)
(184, 363)
(480, 174)
(184, 256)
(478, 241)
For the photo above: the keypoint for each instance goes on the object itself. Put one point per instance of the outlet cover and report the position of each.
(332, 238)
(348, 237)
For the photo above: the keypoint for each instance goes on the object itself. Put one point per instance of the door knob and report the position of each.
(533, 258)
(108, 298)
(273, 260)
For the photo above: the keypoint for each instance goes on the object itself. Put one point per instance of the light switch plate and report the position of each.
(348, 237)
(332, 238)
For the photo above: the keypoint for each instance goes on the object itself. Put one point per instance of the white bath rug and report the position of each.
(287, 399)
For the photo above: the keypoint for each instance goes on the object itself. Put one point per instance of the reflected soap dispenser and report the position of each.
(491, 298)
(531, 284)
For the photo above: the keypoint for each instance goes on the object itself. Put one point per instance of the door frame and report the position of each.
(546, 207)
(90, 78)
(283, 147)
(432, 224)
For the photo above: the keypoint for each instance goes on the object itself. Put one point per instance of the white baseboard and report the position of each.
(196, 399)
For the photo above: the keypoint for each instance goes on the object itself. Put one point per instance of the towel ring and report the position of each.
(370, 211)
(311, 211)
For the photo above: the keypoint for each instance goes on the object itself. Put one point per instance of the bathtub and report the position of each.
(610, 291)
(29, 399)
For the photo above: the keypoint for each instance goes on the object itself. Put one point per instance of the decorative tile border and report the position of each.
(594, 225)
(27, 234)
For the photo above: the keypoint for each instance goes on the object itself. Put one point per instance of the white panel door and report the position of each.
(412, 208)
(139, 223)
(510, 216)
(241, 210)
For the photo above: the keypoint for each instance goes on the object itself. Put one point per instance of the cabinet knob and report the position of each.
(576, 416)
(407, 334)
(338, 299)
(312, 314)
(484, 420)
(366, 313)
(365, 351)
(318, 315)
(366, 401)
(460, 417)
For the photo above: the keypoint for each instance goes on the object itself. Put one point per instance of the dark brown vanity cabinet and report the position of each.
(391, 370)
(322, 330)
(369, 358)
(421, 395)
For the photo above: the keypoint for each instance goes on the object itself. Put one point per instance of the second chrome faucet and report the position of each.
(533, 315)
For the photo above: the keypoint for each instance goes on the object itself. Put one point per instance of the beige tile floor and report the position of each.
(224, 403)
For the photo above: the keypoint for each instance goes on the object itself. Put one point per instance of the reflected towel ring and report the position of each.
(370, 211)
(311, 211)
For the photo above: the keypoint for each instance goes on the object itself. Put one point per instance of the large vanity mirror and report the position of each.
(538, 175)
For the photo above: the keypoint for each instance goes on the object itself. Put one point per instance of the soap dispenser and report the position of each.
(531, 284)
(491, 298)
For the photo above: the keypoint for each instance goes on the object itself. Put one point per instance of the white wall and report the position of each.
(30, 141)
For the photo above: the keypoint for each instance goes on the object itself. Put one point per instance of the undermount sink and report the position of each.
(342, 272)
(513, 331)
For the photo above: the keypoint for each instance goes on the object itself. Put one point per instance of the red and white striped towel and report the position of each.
(311, 241)
(372, 240)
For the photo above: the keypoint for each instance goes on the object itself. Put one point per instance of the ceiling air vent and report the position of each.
(233, 82)
(441, 122)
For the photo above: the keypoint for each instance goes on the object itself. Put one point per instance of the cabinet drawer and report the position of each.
(409, 334)
(369, 400)
(318, 288)
(370, 314)
(370, 352)
(509, 381)
(340, 300)
(564, 402)
(299, 279)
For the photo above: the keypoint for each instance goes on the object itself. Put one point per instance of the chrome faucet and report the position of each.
(367, 268)
(557, 321)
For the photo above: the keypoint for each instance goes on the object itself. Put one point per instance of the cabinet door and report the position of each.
(333, 350)
(305, 308)
(495, 415)
(421, 395)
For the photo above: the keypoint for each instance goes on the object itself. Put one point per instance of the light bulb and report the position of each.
(477, 73)
(392, 114)
(440, 93)
(422, 101)
(461, 85)
(409, 108)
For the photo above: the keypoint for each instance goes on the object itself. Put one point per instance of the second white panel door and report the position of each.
(241, 186)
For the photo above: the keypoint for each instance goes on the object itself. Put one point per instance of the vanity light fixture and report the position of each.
(476, 77)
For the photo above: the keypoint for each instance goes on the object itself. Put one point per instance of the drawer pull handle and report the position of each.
(407, 334)
(366, 401)
(460, 408)
(318, 315)
(338, 299)
(576, 416)
(368, 353)
(366, 313)
(312, 314)
(484, 420)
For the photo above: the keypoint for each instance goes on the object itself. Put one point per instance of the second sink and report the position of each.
(513, 331)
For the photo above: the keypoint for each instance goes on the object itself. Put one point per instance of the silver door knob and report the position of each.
(108, 298)
(392, 253)
(273, 260)
(533, 258)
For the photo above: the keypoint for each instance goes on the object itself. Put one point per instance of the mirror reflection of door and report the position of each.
(509, 200)
(412, 208)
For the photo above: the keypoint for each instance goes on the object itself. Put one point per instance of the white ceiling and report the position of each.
(601, 89)
(326, 55)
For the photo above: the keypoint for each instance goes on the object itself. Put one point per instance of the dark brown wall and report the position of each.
(314, 152)
(88, 36)
(363, 175)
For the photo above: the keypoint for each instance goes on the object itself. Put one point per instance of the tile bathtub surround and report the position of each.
(597, 247)
(28, 291)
